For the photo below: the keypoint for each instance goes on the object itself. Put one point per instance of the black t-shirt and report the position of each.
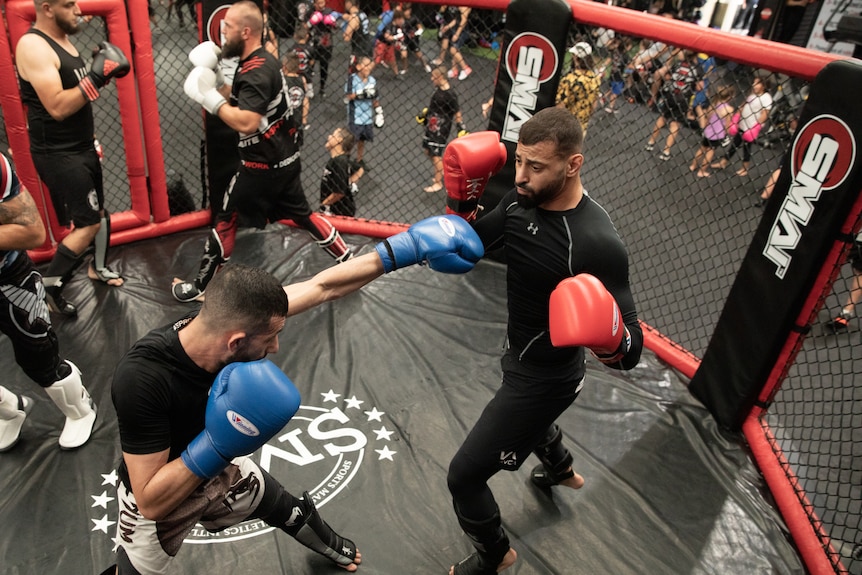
(441, 111)
(160, 395)
(542, 248)
(259, 86)
(336, 180)
(47, 135)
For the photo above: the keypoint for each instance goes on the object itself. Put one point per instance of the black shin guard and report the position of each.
(213, 258)
(488, 538)
(60, 270)
(62, 267)
(299, 519)
(556, 460)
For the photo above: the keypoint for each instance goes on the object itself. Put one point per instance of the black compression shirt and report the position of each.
(542, 248)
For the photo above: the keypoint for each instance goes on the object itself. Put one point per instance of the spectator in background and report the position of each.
(412, 34)
(363, 107)
(296, 94)
(682, 80)
(442, 111)
(842, 322)
(579, 90)
(338, 186)
(303, 52)
(321, 23)
(453, 34)
(357, 32)
(390, 42)
(717, 121)
(752, 116)
(618, 61)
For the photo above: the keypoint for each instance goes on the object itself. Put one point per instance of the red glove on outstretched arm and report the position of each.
(582, 312)
(468, 164)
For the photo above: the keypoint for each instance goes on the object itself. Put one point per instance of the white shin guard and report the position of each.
(74, 401)
(13, 411)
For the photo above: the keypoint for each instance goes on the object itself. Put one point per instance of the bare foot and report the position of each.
(575, 482)
(93, 275)
(356, 560)
(508, 560)
(703, 174)
(433, 188)
(692, 167)
(742, 172)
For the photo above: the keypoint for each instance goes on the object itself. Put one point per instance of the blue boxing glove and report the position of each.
(248, 404)
(447, 244)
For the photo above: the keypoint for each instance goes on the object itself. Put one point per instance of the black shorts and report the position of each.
(263, 196)
(518, 417)
(74, 181)
(362, 132)
(707, 143)
(674, 106)
(434, 145)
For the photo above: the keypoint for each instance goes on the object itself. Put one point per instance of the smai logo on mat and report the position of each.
(321, 450)
(822, 156)
(530, 60)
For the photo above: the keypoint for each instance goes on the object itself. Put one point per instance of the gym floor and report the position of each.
(392, 378)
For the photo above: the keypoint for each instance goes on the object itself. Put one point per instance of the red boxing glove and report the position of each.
(468, 164)
(582, 312)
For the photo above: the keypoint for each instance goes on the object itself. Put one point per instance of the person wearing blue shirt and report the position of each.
(363, 107)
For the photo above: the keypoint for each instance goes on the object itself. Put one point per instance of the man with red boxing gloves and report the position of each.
(58, 90)
(568, 290)
(195, 397)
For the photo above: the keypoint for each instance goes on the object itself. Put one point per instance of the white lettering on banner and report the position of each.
(825, 159)
(530, 60)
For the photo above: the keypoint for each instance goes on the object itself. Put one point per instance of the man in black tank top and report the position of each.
(58, 90)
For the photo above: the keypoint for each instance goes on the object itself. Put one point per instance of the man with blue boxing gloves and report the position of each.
(194, 398)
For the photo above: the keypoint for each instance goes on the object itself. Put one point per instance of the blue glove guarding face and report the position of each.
(248, 404)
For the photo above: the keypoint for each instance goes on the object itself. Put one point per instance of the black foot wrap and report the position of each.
(474, 565)
(318, 536)
(556, 460)
(545, 479)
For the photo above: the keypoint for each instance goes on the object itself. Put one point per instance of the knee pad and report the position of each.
(551, 452)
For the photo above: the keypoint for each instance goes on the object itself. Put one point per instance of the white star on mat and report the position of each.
(383, 433)
(374, 415)
(102, 524)
(110, 478)
(330, 396)
(385, 453)
(101, 500)
(353, 403)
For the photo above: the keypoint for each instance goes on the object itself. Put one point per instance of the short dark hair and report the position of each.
(555, 125)
(290, 62)
(243, 297)
(346, 139)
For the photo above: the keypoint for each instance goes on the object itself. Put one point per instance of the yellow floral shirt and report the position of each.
(578, 91)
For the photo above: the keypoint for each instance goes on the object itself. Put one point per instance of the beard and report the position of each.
(68, 27)
(232, 49)
(535, 198)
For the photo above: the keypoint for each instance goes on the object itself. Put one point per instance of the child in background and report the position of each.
(303, 52)
(412, 34)
(437, 119)
(391, 41)
(338, 187)
(297, 95)
(717, 122)
(618, 60)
